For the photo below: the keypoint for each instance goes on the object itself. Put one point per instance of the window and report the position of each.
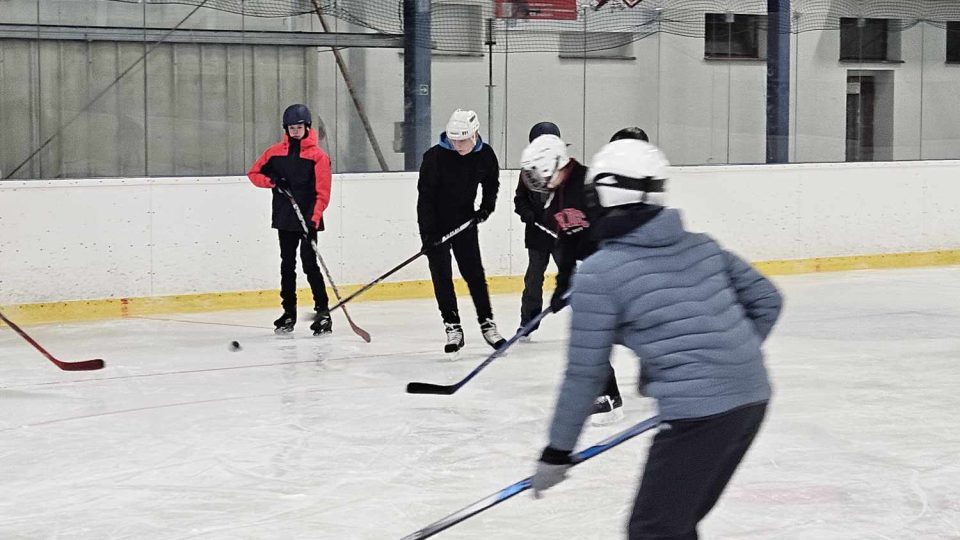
(730, 35)
(868, 40)
(953, 41)
(457, 29)
(614, 45)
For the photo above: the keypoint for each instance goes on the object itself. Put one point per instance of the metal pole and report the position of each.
(490, 86)
(417, 59)
(778, 81)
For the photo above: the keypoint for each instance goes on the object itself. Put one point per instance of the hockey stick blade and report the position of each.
(519, 487)
(434, 389)
(83, 365)
(446, 390)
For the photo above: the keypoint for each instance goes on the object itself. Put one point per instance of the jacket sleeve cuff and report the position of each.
(555, 457)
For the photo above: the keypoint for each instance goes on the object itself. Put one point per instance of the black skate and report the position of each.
(491, 335)
(607, 410)
(284, 325)
(454, 338)
(322, 323)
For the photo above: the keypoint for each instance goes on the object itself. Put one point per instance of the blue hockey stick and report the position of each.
(523, 485)
(447, 389)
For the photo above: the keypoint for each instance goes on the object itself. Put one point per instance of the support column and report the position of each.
(778, 81)
(416, 82)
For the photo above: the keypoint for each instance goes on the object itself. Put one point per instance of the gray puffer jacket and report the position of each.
(694, 314)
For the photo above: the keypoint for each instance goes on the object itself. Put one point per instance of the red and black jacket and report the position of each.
(307, 167)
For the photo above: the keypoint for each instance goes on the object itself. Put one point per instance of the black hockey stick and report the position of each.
(496, 498)
(306, 235)
(448, 389)
(85, 365)
(412, 258)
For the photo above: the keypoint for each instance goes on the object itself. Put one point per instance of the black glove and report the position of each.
(280, 182)
(557, 302)
(427, 241)
(482, 215)
(551, 470)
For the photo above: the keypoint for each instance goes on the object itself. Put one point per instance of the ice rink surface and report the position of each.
(314, 438)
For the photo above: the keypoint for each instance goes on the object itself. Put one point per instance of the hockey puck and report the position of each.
(234, 346)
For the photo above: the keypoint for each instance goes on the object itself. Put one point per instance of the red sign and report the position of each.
(556, 10)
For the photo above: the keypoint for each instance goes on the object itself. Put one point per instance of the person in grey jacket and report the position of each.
(695, 314)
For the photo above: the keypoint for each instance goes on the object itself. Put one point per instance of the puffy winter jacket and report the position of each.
(307, 167)
(694, 314)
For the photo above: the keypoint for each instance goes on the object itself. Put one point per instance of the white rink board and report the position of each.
(113, 238)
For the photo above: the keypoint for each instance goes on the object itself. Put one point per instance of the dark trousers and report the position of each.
(289, 241)
(531, 302)
(466, 249)
(687, 469)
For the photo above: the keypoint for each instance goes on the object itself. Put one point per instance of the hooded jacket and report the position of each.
(307, 167)
(694, 314)
(447, 187)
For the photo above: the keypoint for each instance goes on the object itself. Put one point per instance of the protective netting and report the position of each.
(551, 25)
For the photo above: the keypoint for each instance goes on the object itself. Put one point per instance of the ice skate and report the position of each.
(285, 324)
(491, 335)
(525, 338)
(454, 340)
(322, 323)
(607, 410)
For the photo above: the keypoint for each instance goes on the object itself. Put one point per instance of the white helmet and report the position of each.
(462, 125)
(541, 159)
(627, 171)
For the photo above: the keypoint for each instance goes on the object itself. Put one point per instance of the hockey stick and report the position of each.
(546, 230)
(525, 484)
(306, 235)
(448, 389)
(85, 365)
(412, 258)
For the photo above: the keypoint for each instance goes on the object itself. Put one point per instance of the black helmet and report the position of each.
(543, 128)
(297, 114)
(630, 133)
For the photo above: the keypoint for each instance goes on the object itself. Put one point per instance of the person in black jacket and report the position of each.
(537, 238)
(450, 174)
(547, 168)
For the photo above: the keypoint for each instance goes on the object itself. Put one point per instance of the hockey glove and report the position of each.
(281, 183)
(427, 241)
(551, 470)
(482, 215)
(557, 301)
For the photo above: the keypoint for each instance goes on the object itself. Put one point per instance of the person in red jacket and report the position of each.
(297, 164)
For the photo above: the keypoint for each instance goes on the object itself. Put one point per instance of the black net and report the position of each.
(559, 25)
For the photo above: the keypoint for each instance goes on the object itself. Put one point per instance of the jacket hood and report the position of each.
(309, 140)
(445, 143)
(663, 229)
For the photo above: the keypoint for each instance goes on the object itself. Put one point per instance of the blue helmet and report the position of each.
(297, 114)
(543, 128)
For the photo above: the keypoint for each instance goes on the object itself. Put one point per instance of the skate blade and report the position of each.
(608, 418)
(452, 356)
(283, 331)
(323, 334)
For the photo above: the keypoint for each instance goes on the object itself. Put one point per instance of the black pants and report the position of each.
(466, 249)
(531, 302)
(289, 241)
(687, 469)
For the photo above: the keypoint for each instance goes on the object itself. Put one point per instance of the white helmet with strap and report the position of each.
(541, 159)
(627, 171)
(462, 125)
